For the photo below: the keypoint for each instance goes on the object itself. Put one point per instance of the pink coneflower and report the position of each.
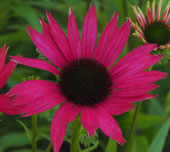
(5, 72)
(88, 83)
(154, 28)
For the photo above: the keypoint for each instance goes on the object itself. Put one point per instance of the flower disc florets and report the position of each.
(158, 33)
(85, 82)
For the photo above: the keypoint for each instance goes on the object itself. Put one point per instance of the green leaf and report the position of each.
(111, 146)
(26, 130)
(140, 144)
(13, 139)
(158, 142)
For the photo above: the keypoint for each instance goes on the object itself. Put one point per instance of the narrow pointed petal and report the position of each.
(46, 48)
(3, 53)
(63, 116)
(89, 33)
(6, 72)
(74, 35)
(117, 45)
(148, 12)
(35, 63)
(142, 16)
(115, 106)
(167, 19)
(135, 62)
(137, 90)
(6, 105)
(165, 13)
(159, 10)
(60, 37)
(153, 10)
(106, 37)
(139, 79)
(89, 120)
(39, 95)
(109, 126)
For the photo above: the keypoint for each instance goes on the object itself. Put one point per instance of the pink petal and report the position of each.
(117, 45)
(159, 10)
(139, 79)
(3, 53)
(106, 38)
(115, 106)
(47, 32)
(60, 38)
(39, 95)
(6, 105)
(74, 35)
(89, 120)
(63, 116)
(134, 90)
(148, 12)
(165, 13)
(46, 47)
(89, 32)
(109, 126)
(153, 10)
(136, 61)
(36, 63)
(6, 72)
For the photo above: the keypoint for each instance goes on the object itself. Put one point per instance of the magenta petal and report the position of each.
(6, 105)
(46, 48)
(63, 116)
(135, 61)
(36, 63)
(60, 38)
(74, 35)
(139, 79)
(134, 90)
(6, 72)
(89, 32)
(106, 38)
(3, 53)
(38, 95)
(115, 106)
(89, 120)
(117, 45)
(109, 126)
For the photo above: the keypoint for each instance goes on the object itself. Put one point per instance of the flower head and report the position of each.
(88, 83)
(5, 72)
(154, 28)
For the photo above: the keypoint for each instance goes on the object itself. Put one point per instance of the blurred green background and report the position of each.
(153, 123)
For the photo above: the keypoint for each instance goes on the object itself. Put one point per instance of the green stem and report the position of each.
(76, 136)
(133, 128)
(49, 147)
(34, 133)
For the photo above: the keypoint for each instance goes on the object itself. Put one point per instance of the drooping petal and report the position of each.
(39, 95)
(165, 13)
(109, 126)
(74, 35)
(60, 37)
(148, 12)
(63, 116)
(6, 105)
(6, 72)
(135, 61)
(106, 37)
(46, 48)
(117, 45)
(115, 106)
(35, 63)
(137, 90)
(139, 79)
(159, 10)
(3, 52)
(89, 32)
(153, 11)
(89, 119)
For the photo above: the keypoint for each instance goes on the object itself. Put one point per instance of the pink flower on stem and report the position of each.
(153, 28)
(6, 105)
(88, 83)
